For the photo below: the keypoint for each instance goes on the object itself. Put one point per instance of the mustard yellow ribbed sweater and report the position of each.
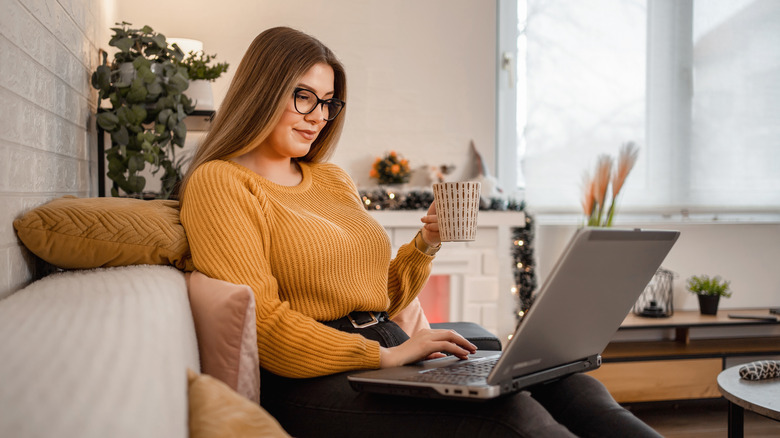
(310, 253)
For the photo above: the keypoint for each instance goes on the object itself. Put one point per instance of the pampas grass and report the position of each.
(596, 188)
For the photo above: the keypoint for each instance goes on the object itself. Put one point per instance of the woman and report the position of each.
(262, 207)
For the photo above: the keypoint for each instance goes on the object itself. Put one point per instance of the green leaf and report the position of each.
(141, 62)
(139, 113)
(107, 121)
(187, 104)
(178, 83)
(101, 78)
(148, 149)
(154, 89)
(123, 44)
(114, 99)
(116, 167)
(146, 74)
(137, 91)
(180, 130)
(120, 136)
(122, 115)
(135, 163)
(135, 184)
(172, 121)
(163, 138)
(159, 39)
(164, 116)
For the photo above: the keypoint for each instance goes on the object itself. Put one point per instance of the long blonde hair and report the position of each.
(259, 93)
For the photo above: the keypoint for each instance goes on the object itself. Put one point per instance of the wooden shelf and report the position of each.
(693, 318)
(681, 368)
(698, 348)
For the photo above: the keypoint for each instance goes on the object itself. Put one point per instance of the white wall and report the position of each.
(421, 74)
(745, 254)
(47, 52)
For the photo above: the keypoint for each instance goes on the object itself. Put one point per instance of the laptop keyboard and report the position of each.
(459, 373)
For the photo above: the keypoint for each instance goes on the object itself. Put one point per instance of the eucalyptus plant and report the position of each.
(144, 85)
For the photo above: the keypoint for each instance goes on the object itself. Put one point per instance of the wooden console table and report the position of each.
(680, 368)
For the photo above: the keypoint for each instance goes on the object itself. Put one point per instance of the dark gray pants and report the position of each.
(578, 405)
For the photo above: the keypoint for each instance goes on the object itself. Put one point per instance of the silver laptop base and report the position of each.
(474, 392)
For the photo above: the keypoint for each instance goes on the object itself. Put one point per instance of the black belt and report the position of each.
(358, 320)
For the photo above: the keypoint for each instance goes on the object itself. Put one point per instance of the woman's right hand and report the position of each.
(426, 344)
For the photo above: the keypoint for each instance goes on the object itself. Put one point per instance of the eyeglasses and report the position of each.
(306, 101)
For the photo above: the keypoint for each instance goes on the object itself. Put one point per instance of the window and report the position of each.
(696, 84)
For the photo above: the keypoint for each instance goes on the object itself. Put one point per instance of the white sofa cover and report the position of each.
(97, 353)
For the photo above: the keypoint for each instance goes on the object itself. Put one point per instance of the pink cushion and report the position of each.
(412, 319)
(224, 315)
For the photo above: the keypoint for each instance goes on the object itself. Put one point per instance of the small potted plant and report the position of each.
(202, 73)
(708, 290)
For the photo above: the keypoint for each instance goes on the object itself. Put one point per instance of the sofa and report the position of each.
(125, 338)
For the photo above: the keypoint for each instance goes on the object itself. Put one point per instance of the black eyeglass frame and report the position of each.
(320, 102)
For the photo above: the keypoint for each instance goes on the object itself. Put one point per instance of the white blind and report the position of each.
(735, 141)
(696, 84)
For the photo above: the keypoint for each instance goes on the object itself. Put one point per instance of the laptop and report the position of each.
(578, 309)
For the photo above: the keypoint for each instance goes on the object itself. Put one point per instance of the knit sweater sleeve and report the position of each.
(407, 275)
(223, 215)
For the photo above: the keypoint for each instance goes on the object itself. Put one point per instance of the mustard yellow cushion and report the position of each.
(215, 410)
(82, 233)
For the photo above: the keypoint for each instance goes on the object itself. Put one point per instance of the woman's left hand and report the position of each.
(430, 229)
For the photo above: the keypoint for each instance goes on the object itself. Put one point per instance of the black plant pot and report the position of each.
(708, 304)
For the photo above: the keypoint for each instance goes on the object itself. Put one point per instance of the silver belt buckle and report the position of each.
(374, 321)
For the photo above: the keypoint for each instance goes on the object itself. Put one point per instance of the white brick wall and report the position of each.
(48, 50)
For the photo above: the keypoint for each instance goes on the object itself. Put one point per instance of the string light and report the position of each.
(525, 281)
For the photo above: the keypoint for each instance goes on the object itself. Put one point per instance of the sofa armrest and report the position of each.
(475, 333)
(98, 353)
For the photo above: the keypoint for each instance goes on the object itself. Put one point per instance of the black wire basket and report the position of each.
(656, 300)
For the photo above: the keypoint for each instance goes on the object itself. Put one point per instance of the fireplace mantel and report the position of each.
(481, 274)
